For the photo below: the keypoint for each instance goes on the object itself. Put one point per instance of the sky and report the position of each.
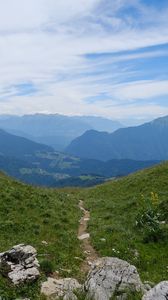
(84, 57)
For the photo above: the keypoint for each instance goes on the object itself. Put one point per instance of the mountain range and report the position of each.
(145, 142)
(55, 130)
(90, 159)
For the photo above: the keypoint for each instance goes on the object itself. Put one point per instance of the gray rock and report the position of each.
(20, 264)
(159, 292)
(70, 296)
(56, 288)
(110, 275)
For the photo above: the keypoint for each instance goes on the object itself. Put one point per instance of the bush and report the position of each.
(47, 267)
(148, 220)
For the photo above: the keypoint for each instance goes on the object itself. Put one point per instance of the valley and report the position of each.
(90, 159)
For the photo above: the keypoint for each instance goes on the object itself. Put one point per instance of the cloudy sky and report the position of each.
(91, 57)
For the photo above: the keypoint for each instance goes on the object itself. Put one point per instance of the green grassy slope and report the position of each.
(32, 215)
(114, 208)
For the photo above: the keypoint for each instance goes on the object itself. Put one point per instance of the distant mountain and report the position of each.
(19, 147)
(100, 124)
(55, 130)
(146, 142)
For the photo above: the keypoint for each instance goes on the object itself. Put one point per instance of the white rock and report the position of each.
(44, 243)
(22, 263)
(159, 292)
(84, 236)
(60, 288)
(110, 275)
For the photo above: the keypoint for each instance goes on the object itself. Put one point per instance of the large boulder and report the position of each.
(110, 277)
(159, 292)
(56, 288)
(20, 264)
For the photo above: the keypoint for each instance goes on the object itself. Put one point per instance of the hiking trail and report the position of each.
(84, 236)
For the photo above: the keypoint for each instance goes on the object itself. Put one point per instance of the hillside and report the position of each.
(12, 145)
(53, 129)
(31, 215)
(48, 219)
(146, 142)
(129, 219)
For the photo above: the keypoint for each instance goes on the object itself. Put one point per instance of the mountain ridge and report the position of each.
(143, 142)
(55, 130)
(13, 145)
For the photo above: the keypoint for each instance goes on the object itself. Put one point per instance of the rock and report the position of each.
(148, 285)
(84, 236)
(44, 243)
(103, 240)
(20, 264)
(66, 270)
(109, 276)
(159, 292)
(56, 288)
(89, 263)
(70, 296)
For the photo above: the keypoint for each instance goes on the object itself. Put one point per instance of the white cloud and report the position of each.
(141, 90)
(19, 15)
(44, 42)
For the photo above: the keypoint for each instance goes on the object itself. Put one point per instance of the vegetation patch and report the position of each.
(124, 225)
(48, 220)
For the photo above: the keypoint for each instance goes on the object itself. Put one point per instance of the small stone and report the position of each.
(87, 252)
(44, 243)
(84, 236)
(103, 240)
(78, 258)
(66, 270)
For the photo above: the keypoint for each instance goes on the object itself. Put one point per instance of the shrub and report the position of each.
(47, 267)
(148, 219)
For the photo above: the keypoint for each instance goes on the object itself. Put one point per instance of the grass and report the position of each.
(31, 215)
(114, 207)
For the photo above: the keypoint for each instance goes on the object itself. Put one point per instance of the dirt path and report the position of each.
(88, 250)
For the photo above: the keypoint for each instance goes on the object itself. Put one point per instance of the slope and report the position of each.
(32, 215)
(12, 145)
(146, 142)
(129, 219)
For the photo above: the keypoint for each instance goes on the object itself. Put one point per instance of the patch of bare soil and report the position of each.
(84, 236)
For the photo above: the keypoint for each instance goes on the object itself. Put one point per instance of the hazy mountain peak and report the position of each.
(55, 130)
(145, 142)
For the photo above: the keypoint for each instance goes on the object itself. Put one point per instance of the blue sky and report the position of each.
(94, 57)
